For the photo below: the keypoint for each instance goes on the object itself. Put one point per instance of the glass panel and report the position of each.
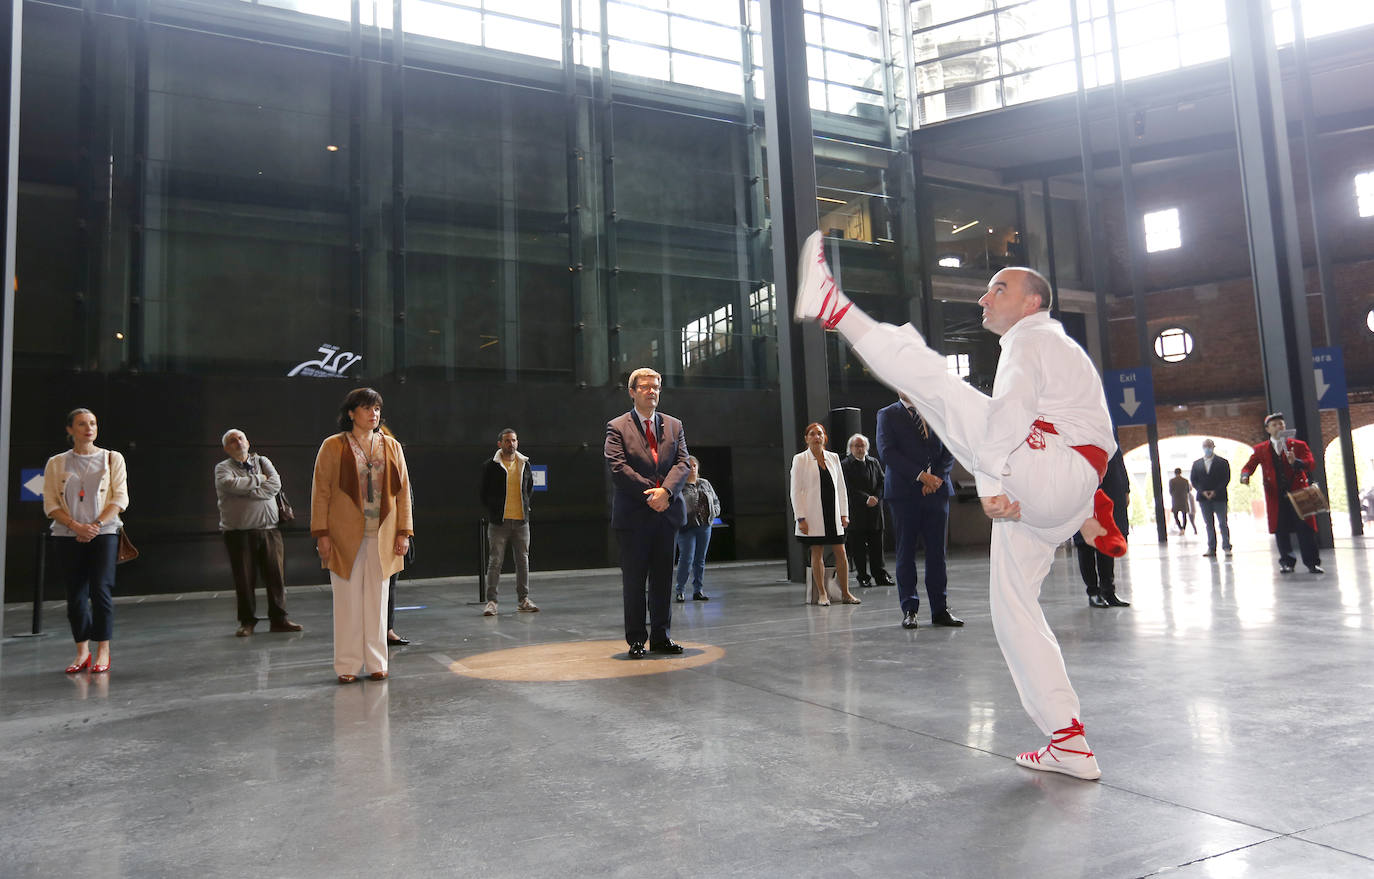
(954, 38)
(639, 60)
(442, 21)
(927, 13)
(862, 11)
(978, 227)
(540, 10)
(853, 71)
(852, 38)
(723, 11)
(813, 30)
(1149, 58)
(1209, 44)
(852, 102)
(706, 39)
(1038, 51)
(1034, 17)
(1043, 83)
(702, 72)
(339, 10)
(524, 38)
(1144, 25)
(633, 23)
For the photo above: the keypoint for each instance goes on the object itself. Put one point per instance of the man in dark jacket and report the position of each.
(917, 489)
(506, 487)
(863, 539)
(1098, 568)
(1210, 476)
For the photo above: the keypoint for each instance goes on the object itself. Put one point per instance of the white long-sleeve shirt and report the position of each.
(1043, 374)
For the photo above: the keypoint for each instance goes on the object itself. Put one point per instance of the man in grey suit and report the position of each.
(1210, 475)
(646, 452)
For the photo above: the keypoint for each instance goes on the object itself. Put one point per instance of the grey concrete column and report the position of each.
(1271, 221)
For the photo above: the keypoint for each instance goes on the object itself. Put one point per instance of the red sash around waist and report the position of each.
(1095, 456)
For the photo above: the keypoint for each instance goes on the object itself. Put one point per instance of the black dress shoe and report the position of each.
(909, 620)
(1095, 600)
(865, 582)
(398, 641)
(670, 647)
(636, 650)
(1316, 569)
(1285, 568)
(700, 596)
(945, 618)
(1113, 601)
(884, 579)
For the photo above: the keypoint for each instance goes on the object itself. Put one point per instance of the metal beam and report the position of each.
(803, 385)
(1271, 222)
(11, 44)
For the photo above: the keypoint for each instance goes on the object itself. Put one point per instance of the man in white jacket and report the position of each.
(1037, 448)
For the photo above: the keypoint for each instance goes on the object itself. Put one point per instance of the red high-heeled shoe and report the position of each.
(99, 669)
(78, 666)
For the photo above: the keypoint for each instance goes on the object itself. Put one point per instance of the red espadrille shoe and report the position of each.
(1055, 757)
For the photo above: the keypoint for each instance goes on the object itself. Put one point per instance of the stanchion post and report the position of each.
(41, 580)
(482, 552)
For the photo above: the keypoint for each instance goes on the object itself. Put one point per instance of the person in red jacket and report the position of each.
(1286, 463)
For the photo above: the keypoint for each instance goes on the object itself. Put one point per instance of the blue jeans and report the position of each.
(1210, 509)
(89, 569)
(691, 553)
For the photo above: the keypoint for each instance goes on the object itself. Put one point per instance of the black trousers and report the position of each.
(89, 571)
(646, 560)
(1098, 570)
(254, 552)
(1288, 523)
(865, 551)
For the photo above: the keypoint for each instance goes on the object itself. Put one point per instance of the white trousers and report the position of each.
(1055, 487)
(360, 614)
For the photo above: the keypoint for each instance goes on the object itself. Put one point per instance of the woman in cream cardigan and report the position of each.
(360, 517)
(821, 505)
(84, 491)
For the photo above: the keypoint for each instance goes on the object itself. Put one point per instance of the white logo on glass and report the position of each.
(332, 363)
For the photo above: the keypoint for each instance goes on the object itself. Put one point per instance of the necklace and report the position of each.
(366, 459)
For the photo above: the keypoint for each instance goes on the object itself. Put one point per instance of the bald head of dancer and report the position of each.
(1013, 293)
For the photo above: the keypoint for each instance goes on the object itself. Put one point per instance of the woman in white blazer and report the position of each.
(821, 505)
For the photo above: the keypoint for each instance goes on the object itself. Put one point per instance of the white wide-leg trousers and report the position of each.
(1054, 485)
(360, 614)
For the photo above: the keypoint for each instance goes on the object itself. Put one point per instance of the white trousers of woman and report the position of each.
(1055, 487)
(360, 614)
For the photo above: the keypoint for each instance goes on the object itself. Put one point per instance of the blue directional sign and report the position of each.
(30, 485)
(1328, 367)
(540, 472)
(1130, 396)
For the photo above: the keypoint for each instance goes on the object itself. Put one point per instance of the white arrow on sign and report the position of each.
(1129, 402)
(35, 485)
(1322, 386)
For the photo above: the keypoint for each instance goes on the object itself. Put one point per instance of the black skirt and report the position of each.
(832, 532)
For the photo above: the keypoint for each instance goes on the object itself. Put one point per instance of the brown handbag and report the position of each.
(284, 511)
(127, 552)
(1309, 501)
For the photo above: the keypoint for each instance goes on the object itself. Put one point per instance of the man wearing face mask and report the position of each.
(1286, 463)
(246, 486)
(1210, 476)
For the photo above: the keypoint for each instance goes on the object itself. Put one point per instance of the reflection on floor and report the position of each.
(1232, 710)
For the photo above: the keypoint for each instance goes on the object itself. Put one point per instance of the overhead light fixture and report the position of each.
(963, 227)
(951, 262)
(831, 200)
(332, 148)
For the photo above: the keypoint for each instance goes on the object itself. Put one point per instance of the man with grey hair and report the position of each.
(246, 487)
(1037, 447)
(646, 453)
(863, 539)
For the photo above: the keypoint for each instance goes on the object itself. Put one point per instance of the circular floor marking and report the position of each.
(578, 661)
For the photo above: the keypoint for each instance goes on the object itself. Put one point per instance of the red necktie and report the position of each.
(653, 448)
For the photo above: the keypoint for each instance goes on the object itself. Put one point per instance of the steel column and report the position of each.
(1135, 254)
(138, 203)
(11, 45)
(356, 281)
(802, 379)
(398, 193)
(1271, 222)
(1331, 300)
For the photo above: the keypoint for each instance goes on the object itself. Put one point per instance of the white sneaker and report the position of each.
(527, 606)
(489, 610)
(1054, 757)
(818, 296)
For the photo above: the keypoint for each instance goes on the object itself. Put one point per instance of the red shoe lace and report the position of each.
(831, 291)
(1075, 728)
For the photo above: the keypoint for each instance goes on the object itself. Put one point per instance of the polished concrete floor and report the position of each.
(1232, 710)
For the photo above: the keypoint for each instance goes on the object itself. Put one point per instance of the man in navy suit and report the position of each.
(917, 490)
(1210, 476)
(646, 452)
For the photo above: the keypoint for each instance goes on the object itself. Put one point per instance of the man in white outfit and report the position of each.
(1037, 448)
